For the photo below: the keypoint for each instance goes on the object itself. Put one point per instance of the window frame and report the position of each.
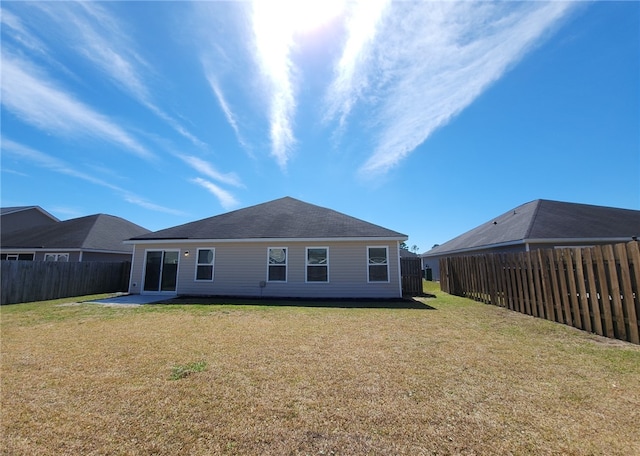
(15, 256)
(198, 264)
(57, 257)
(386, 248)
(286, 264)
(308, 265)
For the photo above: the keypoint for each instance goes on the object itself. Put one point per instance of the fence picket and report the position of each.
(615, 297)
(603, 295)
(595, 289)
(591, 267)
(633, 253)
(628, 305)
(27, 281)
(582, 291)
(573, 292)
(538, 285)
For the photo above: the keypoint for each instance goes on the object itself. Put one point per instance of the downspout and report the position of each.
(399, 271)
(133, 256)
(80, 256)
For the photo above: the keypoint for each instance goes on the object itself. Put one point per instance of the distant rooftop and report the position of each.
(545, 219)
(93, 232)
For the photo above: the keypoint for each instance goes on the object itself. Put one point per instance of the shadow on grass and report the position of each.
(404, 303)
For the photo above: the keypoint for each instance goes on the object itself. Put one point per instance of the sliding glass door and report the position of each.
(161, 270)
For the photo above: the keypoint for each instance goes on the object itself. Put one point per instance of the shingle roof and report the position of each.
(93, 232)
(284, 218)
(545, 219)
(14, 209)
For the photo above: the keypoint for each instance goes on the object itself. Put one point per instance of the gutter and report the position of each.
(269, 240)
(528, 242)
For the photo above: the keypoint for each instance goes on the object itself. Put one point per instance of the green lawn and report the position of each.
(453, 377)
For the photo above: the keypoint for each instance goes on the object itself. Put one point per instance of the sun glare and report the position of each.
(304, 16)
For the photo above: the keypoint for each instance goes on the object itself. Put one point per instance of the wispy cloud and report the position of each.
(100, 38)
(137, 200)
(20, 33)
(51, 163)
(273, 39)
(226, 199)
(206, 168)
(420, 63)
(351, 79)
(38, 158)
(226, 109)
(28, 93)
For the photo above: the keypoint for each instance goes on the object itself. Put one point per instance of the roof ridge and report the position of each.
(89, 229)
(538, 203)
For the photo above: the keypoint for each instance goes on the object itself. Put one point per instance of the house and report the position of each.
(282, 248)
(541, 224)
(92, 238)
(23, 217)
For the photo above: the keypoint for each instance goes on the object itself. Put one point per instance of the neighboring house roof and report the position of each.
(23, 217)
(14, 209)
(547, 221)
(407, 254)
(100, 232)
(284, 218)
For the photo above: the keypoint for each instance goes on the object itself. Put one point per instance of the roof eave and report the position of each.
(254, 240)
(552, 241)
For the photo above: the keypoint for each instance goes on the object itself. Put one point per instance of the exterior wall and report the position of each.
(73, 256)
(434, 261)
(240, 268)
(106, 257)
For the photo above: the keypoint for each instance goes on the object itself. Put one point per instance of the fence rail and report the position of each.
(26, 281)
(595, 289)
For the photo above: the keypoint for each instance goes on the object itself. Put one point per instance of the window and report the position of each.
(317, 264)
(56, 257)
(277, 264)
(161, 270)
(378, 263)
(17, 256)
(204, 264)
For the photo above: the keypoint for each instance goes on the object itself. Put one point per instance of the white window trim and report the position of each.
(212, 264)
(17, 255)
(57, 255)
(286, 264)
(386, 248)
(307, 265)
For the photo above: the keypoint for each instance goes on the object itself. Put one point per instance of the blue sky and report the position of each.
(428, 118)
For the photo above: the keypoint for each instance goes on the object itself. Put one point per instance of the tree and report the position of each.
(404, 246)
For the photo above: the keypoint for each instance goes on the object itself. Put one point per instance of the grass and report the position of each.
(184, 370)
(462, 378)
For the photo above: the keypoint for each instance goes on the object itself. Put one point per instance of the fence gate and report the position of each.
(411, 272)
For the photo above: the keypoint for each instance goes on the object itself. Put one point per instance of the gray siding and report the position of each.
(106, 257)
(240, 267)
(73, 256)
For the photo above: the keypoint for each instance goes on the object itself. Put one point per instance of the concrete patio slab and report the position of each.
(131, 299)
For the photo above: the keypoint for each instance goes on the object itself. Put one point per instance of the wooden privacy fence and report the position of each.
(595, 289)
(411, 273)
(26, 281)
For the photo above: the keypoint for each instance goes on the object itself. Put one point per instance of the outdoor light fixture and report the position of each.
(186, 253)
